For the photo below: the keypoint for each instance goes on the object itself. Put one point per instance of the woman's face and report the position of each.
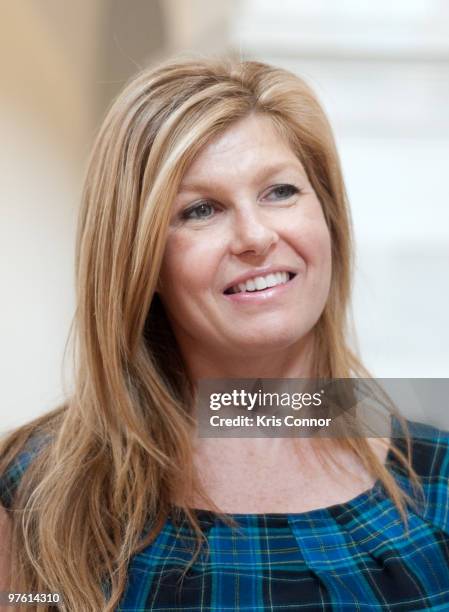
(247, 264)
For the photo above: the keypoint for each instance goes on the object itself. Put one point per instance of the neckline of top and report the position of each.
(316, 513)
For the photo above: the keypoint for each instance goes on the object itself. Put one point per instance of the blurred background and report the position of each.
(381, 70)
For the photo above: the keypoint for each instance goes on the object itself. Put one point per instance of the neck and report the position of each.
(294, 361)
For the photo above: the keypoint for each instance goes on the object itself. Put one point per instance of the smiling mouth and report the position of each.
(261, 283)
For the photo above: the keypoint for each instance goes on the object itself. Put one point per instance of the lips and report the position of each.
(261, 283)
(258, 280)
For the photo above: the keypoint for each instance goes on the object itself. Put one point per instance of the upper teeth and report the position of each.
(261, 282)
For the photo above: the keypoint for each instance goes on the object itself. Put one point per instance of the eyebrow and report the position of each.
(264, 173)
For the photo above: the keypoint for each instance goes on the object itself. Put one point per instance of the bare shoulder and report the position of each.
(5, 543)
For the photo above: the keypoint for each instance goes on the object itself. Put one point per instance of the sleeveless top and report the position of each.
(350, 556)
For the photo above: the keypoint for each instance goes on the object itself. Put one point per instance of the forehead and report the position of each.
(250, 144)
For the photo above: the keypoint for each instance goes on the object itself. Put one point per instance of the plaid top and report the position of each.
(349, 556)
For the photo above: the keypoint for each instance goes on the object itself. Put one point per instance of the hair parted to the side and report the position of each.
(119, 450)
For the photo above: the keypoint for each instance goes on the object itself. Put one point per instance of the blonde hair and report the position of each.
(119, 450)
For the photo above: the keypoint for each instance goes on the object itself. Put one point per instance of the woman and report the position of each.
(214, 242)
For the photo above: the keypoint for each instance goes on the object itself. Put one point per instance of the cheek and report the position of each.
(313, 242)
(321, 253)
(187, 264)
(320, 243)
(324, 248)
(317, 254)
(324, 251)
(309, 233)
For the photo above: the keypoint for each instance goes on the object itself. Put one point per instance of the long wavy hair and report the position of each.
(119, 450)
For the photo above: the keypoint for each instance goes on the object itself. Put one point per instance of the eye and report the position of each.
(282, 192)
(203, 210)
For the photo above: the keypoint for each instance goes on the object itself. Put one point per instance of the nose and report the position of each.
(252, 233)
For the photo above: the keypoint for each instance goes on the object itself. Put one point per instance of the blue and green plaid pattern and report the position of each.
(350, 556)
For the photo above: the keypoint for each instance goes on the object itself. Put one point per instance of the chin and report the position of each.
(256, 345)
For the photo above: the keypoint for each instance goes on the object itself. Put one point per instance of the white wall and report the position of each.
(36, 236)
(45, 122)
